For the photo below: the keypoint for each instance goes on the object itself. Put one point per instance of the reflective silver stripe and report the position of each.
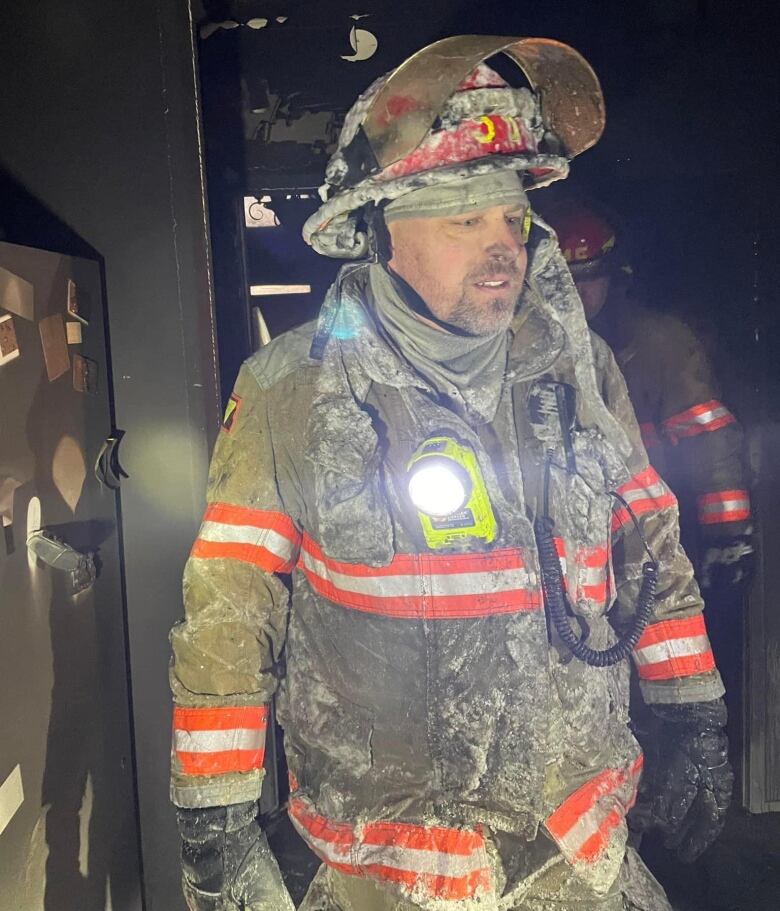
(584, 828)
(407, 585)
(738, 503)
(328, 850)
(653, 492)
(415, 860)
(410, 860)
(593, 575)
(672, 648)
(585, 575)
(610, 798)
(706, 417)
(222, 533)
(219, 741)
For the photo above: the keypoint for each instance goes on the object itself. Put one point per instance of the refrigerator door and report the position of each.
(68, 827)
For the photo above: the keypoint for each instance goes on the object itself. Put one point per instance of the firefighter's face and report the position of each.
(469, 269)
(593, 292)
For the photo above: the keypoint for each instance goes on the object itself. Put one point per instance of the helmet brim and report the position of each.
(406, 106)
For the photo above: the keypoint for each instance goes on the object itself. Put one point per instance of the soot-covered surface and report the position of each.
(741, 872)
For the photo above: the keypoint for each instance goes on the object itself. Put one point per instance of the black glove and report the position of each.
(727, 567)
(688, 779)
(226, 861)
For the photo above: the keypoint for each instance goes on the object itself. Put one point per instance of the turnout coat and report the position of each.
(425, 703)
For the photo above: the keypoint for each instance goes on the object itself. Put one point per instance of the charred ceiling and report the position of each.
(684, 82)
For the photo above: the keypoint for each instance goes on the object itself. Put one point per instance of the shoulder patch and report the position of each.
(231, 413)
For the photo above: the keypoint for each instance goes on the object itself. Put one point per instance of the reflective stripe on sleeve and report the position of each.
(723, 506)
(645, 492)
(703, 418)
(674, 648)
(263, 538)
(582, 824)
(426, 586)
(441, 863)
(215, 741)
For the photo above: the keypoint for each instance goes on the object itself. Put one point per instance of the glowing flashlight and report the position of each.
(439, 487)
(446, 487)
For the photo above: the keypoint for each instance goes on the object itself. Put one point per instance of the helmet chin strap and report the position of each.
(379, 240)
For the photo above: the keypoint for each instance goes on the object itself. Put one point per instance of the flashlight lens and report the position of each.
(437, 490)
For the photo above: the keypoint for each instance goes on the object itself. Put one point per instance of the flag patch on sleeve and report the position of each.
(231, 412)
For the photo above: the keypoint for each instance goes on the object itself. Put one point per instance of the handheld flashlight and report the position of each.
(446, 487)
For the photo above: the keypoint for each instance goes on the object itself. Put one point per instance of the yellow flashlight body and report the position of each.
(475, 519)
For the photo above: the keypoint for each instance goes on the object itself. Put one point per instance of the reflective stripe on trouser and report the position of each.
(555, 888)
(445, 865)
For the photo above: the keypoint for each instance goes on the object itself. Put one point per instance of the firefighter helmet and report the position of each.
(588, 238)
(444, 115)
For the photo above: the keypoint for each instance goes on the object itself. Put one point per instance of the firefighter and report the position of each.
(691, 437)
(448, 465)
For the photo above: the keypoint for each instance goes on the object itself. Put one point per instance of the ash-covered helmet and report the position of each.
(444, 115)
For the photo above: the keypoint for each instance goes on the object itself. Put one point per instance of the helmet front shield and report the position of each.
(407, 105)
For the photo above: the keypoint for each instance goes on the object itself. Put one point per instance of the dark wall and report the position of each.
(98, 120)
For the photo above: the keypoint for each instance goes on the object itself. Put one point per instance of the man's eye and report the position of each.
(466, 223)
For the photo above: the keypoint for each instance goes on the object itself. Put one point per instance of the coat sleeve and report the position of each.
(702, 436)
(227, 651)
(673, 658)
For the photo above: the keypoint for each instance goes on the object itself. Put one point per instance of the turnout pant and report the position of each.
(556, 889)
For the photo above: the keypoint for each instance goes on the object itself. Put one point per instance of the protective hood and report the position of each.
(345, 323)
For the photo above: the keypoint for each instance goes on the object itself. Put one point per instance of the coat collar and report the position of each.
(536, 340)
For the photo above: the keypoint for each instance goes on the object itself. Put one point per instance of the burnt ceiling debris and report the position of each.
(681, 92)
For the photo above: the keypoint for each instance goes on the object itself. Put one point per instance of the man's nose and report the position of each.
(502, 242)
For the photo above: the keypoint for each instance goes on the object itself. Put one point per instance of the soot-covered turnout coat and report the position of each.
(424, 704)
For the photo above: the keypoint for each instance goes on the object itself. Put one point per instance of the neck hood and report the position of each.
(549, 321)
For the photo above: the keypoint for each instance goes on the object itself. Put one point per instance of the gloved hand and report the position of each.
(688, 778)
(727, 567)
(226, 862)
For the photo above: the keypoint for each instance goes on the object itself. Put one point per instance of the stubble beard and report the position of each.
(472, 313)
(483, 317)
(478, 316)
